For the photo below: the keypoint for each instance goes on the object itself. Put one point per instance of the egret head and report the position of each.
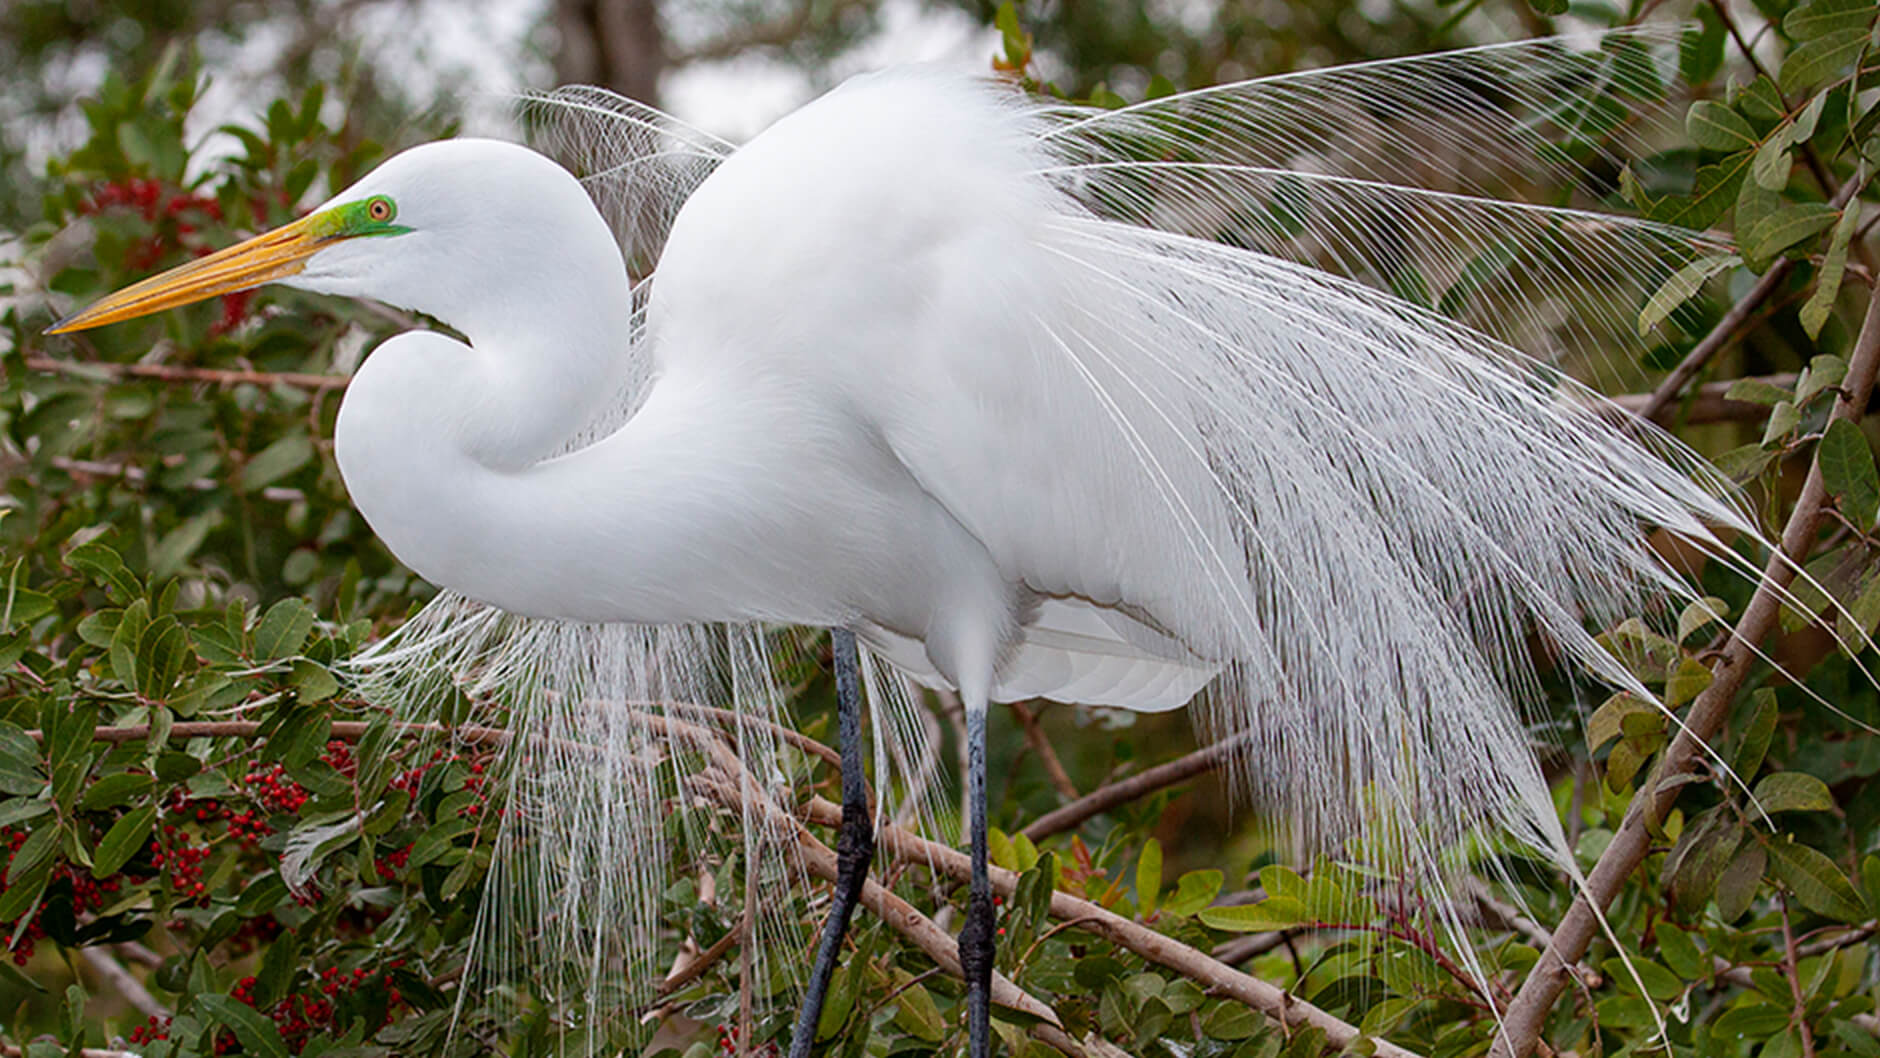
(416, 232)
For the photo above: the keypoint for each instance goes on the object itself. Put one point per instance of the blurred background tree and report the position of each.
(182, 567)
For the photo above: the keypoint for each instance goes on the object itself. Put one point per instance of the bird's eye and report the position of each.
(380, 209)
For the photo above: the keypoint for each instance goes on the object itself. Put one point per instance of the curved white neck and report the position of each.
(449, 450)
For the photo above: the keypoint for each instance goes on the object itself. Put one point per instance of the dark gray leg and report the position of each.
(855, 844)
(976, 936)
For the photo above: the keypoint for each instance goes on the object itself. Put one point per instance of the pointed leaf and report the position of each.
(1847, 469)
(1681, 287)
(1273, 913)
(1820, 304)
(121, 842)
(1716, 127)
(1815, 881)
(1792, 791)
(1149, 876)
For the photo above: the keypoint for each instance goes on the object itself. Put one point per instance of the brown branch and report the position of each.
(1521, 1027)
(1123, 791)
(1196, 965)
(695, 969)
(1731, 327)
(1035, 738)
(1798, 1013)
(120, 980)
(136, 475)
(105, 370)
(1709, 403)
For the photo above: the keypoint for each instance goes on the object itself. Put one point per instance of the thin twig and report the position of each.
(1123, 791)
(1522, 1025)
(136, 475)
(1798, 1015)
(107, 370)
(1196, 965)
(1709, 404)
(1035, 738)
(1730, 327)
(696, 968)
(120, 980)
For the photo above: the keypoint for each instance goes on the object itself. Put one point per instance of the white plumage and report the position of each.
(1041, 402)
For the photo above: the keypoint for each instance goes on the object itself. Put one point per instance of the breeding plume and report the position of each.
(1031, 400)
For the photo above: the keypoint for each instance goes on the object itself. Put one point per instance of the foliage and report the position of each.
(187, 786)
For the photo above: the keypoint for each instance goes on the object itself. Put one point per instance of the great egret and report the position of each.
(947, 369)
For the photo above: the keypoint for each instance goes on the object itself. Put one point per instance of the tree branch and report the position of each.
(1123, 791)
(1521, 1027)
(109, 371)
(1219, 979)
(1034, 737)
(120, 980)
(1731, 326)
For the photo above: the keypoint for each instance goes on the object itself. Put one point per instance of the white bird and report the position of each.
(964, 373)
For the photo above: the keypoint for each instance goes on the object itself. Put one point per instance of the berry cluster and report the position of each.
(184, 861)
(154, 1029)
(275, 790)
(305, 1016)
(88, 895)
(728, 1043)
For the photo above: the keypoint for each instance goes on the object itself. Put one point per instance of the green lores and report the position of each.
(368, 216)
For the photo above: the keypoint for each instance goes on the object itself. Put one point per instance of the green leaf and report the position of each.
(1232, 1021)
(1771, 234)
(1681, 953)
(1772, 164)
(1273, 913)
(1847, 469)
(1756, 391)
(1823, 373)
(1756, 735)
(35, 852)
(20, 767)
(1815, 60)
(1792, 791)
(1149, 876)
(1737, 885)
(121, 842)
(106, 567)
(252, 1030)
(1815, 881)
(1661, 984)
(1699, 613)
(130, 630)
(1680, 288)
(276, 461)
(1820, 304)
(162, 653)
(438, 840)
(283, 629)
(1193, 891)
(1716, 127)
(1686, 682)
(1608, 721)
(115, 789)
(1818, 19)
(918, 1016)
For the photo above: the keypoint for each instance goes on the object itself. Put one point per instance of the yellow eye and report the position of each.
(380, 209)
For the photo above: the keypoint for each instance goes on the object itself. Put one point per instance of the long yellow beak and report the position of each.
(262, 259)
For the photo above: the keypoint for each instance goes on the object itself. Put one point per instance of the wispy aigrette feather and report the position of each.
(1342, 481)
